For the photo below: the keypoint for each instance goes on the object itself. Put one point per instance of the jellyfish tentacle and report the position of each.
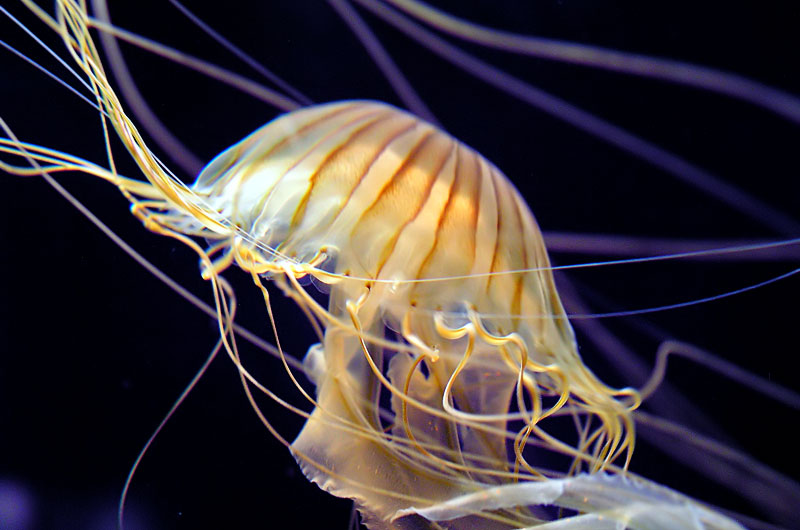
(705, 358)
(242, 55)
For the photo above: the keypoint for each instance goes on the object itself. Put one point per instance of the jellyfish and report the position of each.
(677, 207)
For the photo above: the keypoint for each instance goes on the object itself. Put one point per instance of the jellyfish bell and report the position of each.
(568, 203)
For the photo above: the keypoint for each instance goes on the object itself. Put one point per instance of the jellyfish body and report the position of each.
(365, 322)
(423, 232)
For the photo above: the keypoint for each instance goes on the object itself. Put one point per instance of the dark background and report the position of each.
(94, 350)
